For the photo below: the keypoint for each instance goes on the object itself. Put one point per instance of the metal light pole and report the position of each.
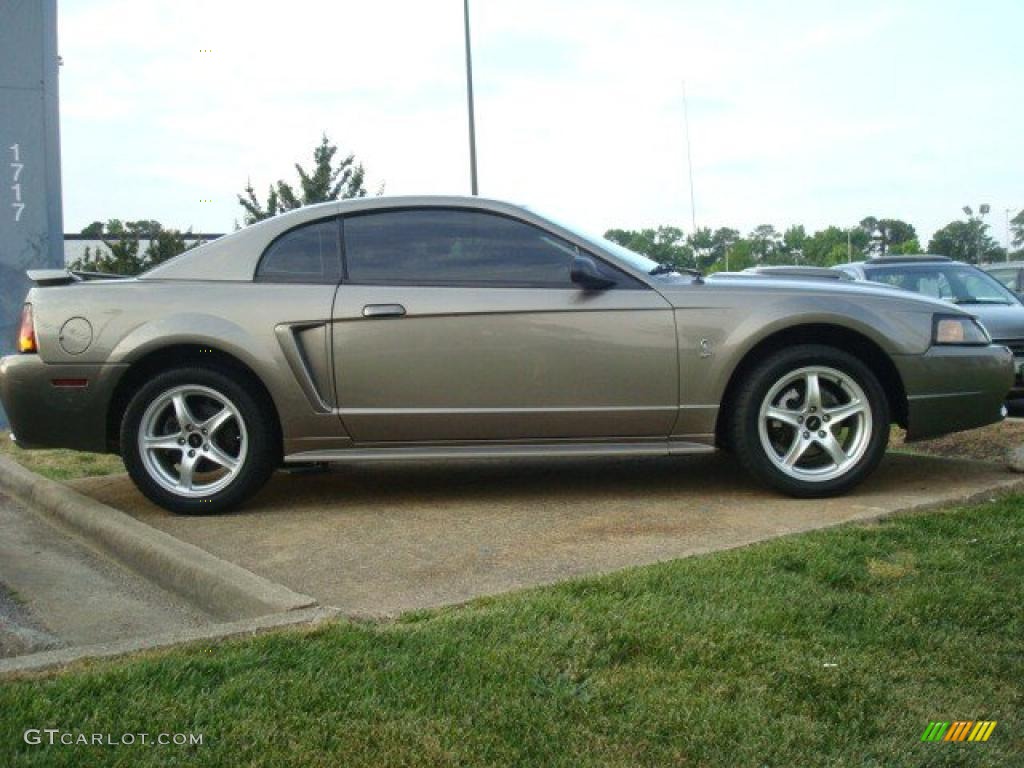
(469, 99)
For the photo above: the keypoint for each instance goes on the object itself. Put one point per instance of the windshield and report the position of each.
(633, 259)
(956, 283)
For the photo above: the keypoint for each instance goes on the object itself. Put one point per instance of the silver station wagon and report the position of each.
(452, 327)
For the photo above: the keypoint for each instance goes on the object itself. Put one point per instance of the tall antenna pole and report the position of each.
(469, 99)
(689, 160)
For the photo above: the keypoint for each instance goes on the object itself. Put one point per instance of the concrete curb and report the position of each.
(223, 589)
(62, 657)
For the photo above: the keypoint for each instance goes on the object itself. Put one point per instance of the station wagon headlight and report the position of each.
(959, 329)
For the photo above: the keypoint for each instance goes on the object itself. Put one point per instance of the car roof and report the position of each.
(235, 256)
(923, 260)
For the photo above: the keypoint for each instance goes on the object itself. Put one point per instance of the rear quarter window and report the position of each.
(307, 254)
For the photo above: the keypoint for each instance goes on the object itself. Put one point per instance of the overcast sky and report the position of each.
(816, 113)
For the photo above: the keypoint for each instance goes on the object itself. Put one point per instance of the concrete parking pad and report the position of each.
(378, 539)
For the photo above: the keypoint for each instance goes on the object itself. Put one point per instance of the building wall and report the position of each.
(30, 195)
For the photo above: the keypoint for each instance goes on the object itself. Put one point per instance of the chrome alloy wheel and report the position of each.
(193, 441)
(815, 424)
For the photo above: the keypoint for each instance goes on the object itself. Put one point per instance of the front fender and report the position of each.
(714, 341)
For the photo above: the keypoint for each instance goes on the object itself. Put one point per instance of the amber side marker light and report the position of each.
(27, 332)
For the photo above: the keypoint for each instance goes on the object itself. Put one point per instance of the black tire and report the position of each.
(745, 437)
(261, 452)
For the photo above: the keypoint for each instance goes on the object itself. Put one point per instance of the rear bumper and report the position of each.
(45, 415)
(950, 389)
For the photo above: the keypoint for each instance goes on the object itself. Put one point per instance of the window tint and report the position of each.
(306, 254)
(453, 247)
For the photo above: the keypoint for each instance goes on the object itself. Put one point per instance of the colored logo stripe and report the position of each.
(959, 730)
(983, 731)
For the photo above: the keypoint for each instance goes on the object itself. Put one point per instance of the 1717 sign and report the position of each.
(16, 167)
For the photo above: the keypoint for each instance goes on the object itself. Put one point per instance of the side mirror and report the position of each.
(584, 273)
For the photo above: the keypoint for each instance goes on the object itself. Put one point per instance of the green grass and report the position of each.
(721, 660)
(59, 464)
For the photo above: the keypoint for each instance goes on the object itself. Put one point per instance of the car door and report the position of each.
(463, 325)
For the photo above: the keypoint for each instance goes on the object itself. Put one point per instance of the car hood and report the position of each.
(793, 286)
(1003, 321)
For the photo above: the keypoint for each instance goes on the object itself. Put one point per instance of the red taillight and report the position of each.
(27, 332)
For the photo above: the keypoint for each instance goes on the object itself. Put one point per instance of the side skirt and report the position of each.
(501, 451)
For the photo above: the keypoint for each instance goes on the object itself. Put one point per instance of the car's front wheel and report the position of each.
(811, 420)
(196, 441)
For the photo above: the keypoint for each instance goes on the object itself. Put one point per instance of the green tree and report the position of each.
(731, 253)
(886, 234)
(122, 252)
(666, 245)
(1017, 229)
(738, 255)
(832, 245)
(765, 243)
(907, 247)
(702, 243)
(722, 242)
(325, 182)
(793, 241)
(967, 240)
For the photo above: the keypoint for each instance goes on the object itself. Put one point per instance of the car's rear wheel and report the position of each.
(196, 441)
(811, 420)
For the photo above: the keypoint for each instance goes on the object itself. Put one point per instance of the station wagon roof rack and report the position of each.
(825, 273)
(907, 259)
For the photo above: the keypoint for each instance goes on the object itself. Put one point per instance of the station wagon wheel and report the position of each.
(193, 441)
(815, 423)
(811, 420)
(199, 439)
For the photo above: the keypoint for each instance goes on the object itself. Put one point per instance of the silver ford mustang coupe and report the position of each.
(452, 327)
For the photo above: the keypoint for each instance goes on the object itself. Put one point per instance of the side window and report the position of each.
(1007, 277)
(455, 247)
(306, 254)
(977, 285)
(934, 284)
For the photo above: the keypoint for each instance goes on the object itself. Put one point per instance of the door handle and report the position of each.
(383, 310)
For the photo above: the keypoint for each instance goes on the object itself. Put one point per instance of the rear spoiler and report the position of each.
(44, 277)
